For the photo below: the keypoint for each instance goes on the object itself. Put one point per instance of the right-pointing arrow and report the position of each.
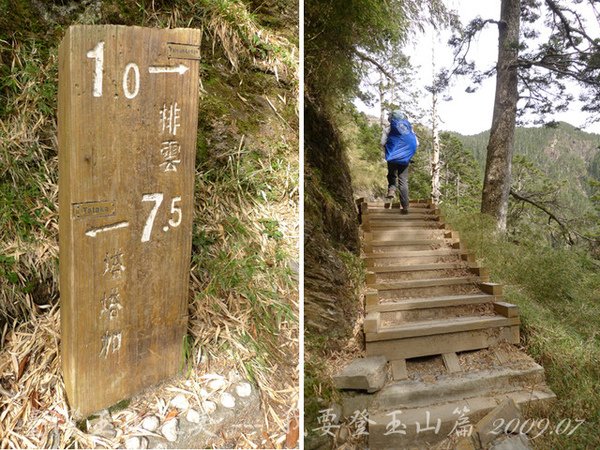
(180, 69)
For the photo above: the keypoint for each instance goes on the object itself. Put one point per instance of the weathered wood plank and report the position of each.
(432, 327)
(371, 323)
(444, 343)
(127, 119)
(399, 371)
(491, 288)
(419, 283)
(433, 302)
(451, 362)
(506, 309)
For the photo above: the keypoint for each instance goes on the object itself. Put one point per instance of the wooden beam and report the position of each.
(399, 371)
(491, 288)
(371, 278)
(371, 323)
(446, 326)
(451, 362)
(506, 309)
(371, 298)
(443, 343)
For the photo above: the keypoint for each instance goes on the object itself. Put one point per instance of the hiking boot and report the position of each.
(391, 193)
(404, 211)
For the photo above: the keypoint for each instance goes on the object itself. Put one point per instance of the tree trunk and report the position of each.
(435, 159)
(496, 185)
(382, 120)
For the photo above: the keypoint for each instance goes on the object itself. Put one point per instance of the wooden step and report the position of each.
(414, 241)
(399, 285)
(374, 216)
(392, 277)
(397, 213)
(419, 267)
(397, 205)
(413, 393)
(404, 233)
(405, 224)
(427, 434)
(433, 302)
(436, 327)
(442, 343)
(412, 254)
(401, 318)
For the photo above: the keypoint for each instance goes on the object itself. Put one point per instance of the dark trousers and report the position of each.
(399, 172)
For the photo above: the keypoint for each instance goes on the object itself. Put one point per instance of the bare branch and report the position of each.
(377, 64)
(550, 214)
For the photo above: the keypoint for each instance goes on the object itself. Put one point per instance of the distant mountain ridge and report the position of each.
(552, 148)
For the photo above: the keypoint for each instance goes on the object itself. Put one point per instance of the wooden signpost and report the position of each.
(127, 118)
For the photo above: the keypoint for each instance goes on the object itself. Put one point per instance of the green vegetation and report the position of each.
(558, 293)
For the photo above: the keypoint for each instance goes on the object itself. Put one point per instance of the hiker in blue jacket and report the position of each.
(400, 144)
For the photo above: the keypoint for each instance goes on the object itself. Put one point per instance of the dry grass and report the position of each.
(244, 298)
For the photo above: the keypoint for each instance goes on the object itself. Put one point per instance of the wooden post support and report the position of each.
(482, 272)
(371, 278)
(491, 288)
(127, 119)
(506, 309)
(456, 244)
(365, 222)
(451, 362)
(371, 323)
(399, 371)
(371, 298)
(469, 257)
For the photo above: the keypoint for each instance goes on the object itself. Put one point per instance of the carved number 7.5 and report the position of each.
(157, 198)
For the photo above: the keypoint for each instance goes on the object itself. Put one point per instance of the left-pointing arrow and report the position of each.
(94, 231)
(180, 69)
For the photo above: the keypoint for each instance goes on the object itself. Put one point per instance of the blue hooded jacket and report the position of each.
(401, 143)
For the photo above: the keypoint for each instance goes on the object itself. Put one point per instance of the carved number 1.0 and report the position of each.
(157, 198)
(97, 54)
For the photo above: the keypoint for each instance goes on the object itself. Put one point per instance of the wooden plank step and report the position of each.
(373, 216)
(423, 283)
(433, 302)
(413, 241)
(427, 426)
(404, 224)
(434, 327)
(397, 213)
(397, 204)
(410, 254)
(436, 344)
(404, 233)
(419, 267)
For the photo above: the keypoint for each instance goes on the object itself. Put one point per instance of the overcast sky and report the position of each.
(469, 113)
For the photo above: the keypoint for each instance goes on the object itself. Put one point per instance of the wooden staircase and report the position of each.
(445, 330)
(426, 293)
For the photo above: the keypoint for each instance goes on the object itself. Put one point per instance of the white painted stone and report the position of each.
(180, 402)
(243, 389)
(216, 384)
(227, 400)
(208, 407)
(193, 416)
(133, 443)
(169, 430)
(203, 393)
(150, 423)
